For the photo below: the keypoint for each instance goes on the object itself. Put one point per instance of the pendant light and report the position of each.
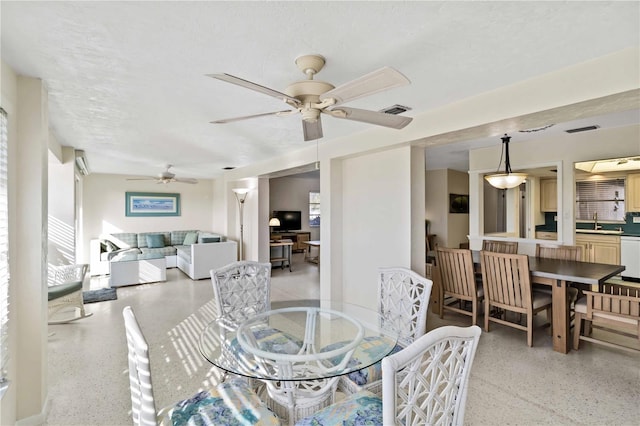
(507, 179)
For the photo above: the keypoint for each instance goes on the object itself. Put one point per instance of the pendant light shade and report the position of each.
(507, 179)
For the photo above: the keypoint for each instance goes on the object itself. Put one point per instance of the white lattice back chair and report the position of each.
(211, 406)
(423, 384)
(64, 292)
(403, 299)
(241, 290)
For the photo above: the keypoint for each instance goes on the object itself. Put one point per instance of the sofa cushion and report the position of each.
(123, 252)
(190, 238)
(155, 241)
(142, 238)
(177, 237)
(124, 240)
(208, 238)
(166, 251)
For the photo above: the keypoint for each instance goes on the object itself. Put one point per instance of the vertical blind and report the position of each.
(604, 197)
(4, 254)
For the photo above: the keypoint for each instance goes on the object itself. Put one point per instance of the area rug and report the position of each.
(100, 295)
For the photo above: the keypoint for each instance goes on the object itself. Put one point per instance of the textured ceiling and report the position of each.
(127, 84)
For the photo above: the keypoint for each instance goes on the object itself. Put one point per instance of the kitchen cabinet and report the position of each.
(599, 248)
(548, 195)
(633, 192)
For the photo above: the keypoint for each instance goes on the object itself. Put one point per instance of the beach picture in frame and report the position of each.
(458, 203)
(152, 204)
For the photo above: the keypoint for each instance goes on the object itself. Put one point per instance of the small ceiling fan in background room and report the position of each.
(312, 97)
(166, 177)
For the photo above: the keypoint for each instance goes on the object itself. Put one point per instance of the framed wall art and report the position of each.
(458, 203)
(152, 204)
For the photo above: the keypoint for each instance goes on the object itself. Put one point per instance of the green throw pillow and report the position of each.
(190, 238)
(155, 241)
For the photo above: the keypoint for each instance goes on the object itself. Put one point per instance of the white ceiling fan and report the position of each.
(166, 177)
(312, 97)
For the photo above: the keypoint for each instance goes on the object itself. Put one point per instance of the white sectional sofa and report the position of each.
(204, 250)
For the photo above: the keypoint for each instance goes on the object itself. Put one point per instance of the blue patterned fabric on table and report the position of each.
(269, 340)
(368, 350)
(362, 408)
(231, 403)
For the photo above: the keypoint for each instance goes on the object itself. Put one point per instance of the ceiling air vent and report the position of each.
(395, 109)
(582, 129)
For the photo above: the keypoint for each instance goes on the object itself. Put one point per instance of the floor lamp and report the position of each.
(241, 195)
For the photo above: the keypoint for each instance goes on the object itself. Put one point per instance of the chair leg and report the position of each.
(474, 312)
(530, 329)
(576, 331)
(486, 316)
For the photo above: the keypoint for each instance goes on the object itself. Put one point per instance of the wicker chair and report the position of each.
(241, 291)
(617, 308)
(507, 287)
(212, 406)
(403, 299)
(65, 292)
(458, 281)
(424, 384)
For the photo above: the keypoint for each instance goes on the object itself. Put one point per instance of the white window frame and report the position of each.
(313, 203)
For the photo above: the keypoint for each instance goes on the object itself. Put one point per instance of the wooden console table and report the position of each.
(285, 257)
(298, 239)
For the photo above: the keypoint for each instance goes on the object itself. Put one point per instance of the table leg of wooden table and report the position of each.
(561, 321)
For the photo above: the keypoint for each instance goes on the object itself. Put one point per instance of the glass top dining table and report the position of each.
(300, 342)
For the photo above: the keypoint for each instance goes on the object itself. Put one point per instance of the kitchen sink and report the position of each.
(598, 231)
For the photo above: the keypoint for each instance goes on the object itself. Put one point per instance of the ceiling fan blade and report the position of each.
(185, 180)
(144, 178)
(312, 130)
(230, 120)
(372, 117)
(254, 86)
(383, 79)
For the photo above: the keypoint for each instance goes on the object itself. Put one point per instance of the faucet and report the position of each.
(595, 222)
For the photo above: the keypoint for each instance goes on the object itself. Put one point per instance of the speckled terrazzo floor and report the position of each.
(510, 382)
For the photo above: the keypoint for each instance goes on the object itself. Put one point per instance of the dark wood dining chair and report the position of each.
(510, 247)
(507, 287)
(458, 282)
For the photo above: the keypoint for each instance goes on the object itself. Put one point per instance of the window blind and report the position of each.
(604, 197)
(4, 254)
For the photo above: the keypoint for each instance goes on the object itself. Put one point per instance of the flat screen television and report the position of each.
(289, 220)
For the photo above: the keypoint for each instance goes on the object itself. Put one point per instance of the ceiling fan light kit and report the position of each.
(508, 179)
(312, 97)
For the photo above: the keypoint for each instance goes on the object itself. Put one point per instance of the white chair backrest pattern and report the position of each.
(426, 383)
(67, 273)
(403, 301)
(241, 290)
(142, 402)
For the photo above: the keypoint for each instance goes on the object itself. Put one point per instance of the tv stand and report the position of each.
(296, 236)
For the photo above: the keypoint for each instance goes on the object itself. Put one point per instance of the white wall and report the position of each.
(376, 220)
(450, 229)
(104, 207)
(292, 193)
(62, 208)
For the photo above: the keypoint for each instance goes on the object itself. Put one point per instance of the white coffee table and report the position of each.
(133, 269)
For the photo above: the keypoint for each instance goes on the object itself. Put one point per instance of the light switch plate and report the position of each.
(636, 219)
(555, 218)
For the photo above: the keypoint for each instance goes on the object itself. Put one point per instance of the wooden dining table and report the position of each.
(557, 274)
